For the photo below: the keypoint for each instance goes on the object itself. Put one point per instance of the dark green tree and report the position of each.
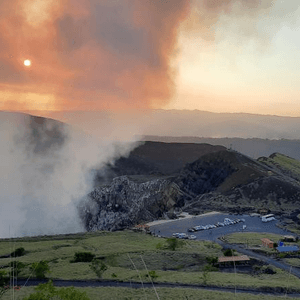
(4, 279)
(18, 252)
(229, 252)
(173, 243)
(83, 257)
(40, 269)
(99, 267)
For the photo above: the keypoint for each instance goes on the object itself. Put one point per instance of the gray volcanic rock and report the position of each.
(125, 203)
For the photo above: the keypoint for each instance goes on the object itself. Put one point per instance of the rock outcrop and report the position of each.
(125, 203)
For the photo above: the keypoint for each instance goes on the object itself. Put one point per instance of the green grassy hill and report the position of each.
(285, 164)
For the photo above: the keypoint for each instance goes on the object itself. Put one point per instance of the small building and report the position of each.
(229, 259)
(267, 243)
(284, 249)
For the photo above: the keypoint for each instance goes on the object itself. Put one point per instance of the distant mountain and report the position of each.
(179, 123)
(253, 147)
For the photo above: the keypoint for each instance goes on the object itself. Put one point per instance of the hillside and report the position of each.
(223, 180)
(287, 165)
(155, 159)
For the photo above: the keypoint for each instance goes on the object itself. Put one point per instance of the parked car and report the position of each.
(183, 236)
(192, 237)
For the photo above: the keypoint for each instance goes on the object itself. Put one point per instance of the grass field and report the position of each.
(120, 250)
(252, 239)
(108, 293)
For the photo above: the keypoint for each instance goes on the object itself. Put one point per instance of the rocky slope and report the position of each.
(125, 203)
(220, 180)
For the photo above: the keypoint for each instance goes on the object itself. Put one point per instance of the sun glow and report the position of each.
(27, 62)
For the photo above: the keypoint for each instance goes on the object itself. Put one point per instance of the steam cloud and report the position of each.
(109, 54)
(45, 170)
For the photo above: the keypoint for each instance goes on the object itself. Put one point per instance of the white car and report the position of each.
(192, 237)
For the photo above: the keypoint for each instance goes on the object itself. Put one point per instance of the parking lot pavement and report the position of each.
(253, 224)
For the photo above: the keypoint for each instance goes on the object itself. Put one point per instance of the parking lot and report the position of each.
(253, 224)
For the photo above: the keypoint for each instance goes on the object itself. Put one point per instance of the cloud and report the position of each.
(91, 54)
(46, 170)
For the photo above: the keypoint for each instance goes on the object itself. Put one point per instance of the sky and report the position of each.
(219, 56)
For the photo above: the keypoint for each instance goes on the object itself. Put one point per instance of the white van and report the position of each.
(268, 218)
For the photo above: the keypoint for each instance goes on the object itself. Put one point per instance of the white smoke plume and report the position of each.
(45, 170)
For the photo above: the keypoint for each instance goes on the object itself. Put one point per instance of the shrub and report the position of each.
(228, 252)
(83, 257)
(4, 279)
(153, 274)
(173, 243)
(16, 267)
(212, 260)
(99, 267)
(18, 252)
(40, 269)
(47, 291)
(282, 255)
(205, 276)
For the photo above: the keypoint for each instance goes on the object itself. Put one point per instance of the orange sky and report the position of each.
(223, 56)
(87, 54)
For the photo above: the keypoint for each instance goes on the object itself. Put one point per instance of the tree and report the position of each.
(205, 275)
(83, 257)
(4, 279)
(47, 291)
(40, 269)
(16, 267)
(173, 243)
(229, 252)
(18, 252)
(212, 260)
(99, 267)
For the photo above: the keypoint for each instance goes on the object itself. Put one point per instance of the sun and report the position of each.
(27, 62)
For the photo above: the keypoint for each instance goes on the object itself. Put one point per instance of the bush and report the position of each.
(4, 279)
(173, 243)
(18, 252)
(212, 260)
(40, 269)
(47, 291)
(16, 267)
(229, 252)
(83, 257)
(153, 274)
(98, 267)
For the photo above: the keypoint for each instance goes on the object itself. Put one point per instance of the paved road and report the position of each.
(137, 285)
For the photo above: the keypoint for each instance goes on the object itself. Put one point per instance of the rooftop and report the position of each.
(287, 248)
(233, 258)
